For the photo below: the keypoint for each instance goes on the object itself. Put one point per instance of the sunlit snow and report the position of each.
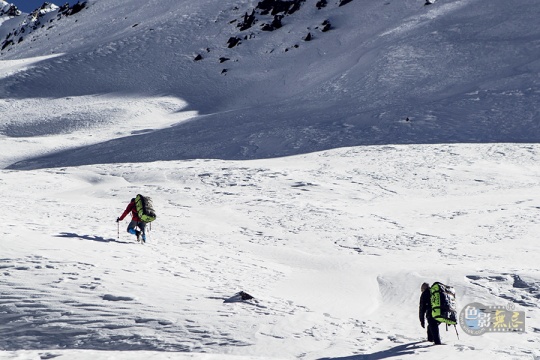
(326, 178)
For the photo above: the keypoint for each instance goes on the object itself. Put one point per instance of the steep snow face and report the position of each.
(372, 72)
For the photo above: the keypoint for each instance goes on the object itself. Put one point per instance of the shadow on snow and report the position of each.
(400, 350)
(90, 237)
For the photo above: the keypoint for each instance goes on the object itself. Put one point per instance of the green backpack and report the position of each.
(443, 303)
(145, 208)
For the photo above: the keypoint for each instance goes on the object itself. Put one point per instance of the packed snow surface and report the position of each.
(328, 179)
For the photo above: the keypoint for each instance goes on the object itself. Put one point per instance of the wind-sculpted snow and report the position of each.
(61, 307)
(95, 119)
(333, 247)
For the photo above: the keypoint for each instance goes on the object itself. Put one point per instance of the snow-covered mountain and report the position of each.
(17, 26)
(454, 69)
(326, 157)
(7, 10)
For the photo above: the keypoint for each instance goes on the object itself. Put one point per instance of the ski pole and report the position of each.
(118, 231)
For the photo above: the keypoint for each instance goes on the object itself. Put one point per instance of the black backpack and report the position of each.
(443, 303)
(145, 208)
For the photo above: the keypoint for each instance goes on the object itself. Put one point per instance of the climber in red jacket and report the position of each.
(135, 222)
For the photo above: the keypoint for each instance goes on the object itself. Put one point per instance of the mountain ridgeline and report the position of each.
(18, 26)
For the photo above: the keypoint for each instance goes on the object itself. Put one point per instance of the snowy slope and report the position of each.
(333, 240)
(460, 70)
(333, 246)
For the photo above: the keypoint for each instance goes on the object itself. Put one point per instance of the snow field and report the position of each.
(300, 236)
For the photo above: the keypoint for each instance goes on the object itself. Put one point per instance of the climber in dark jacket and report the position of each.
(425, 313)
